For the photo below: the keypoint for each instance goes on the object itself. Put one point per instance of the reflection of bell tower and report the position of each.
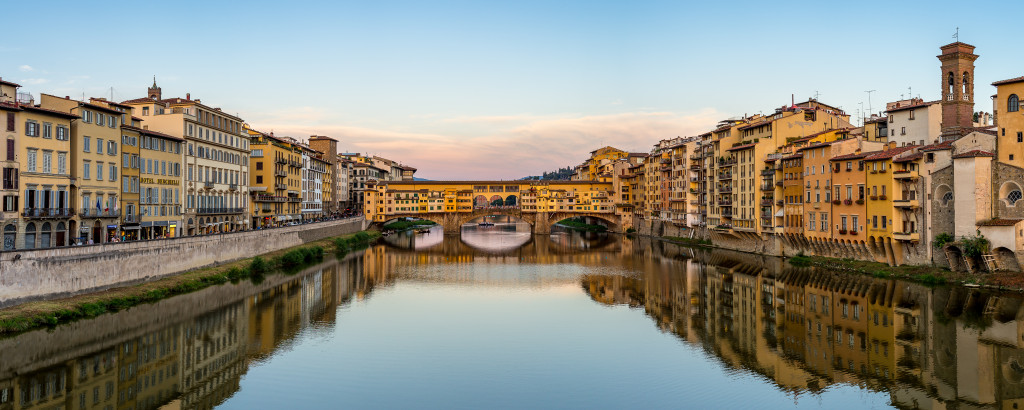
(957, 88)
(154, 91)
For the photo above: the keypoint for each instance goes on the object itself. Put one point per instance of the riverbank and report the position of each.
(406, 225)
(37, 314)
(929, 275)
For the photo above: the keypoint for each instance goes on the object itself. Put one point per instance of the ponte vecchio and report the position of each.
(455, 203)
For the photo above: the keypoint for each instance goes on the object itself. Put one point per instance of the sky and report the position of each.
(502, 90)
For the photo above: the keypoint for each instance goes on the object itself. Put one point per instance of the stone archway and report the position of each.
(1006, 259)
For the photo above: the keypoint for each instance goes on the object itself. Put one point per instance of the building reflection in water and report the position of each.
(803, 329)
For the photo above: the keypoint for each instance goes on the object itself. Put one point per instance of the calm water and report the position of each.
(498, 318)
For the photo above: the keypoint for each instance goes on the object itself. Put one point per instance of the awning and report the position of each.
(147, 223)
(780, 213)
(130, 228)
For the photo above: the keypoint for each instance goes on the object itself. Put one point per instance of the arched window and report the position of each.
(951, 82)
(44, 235)
(1013, 196)
(967, 81)
(1013, 103)
(9, 233)
(947, 198)
(30, 235)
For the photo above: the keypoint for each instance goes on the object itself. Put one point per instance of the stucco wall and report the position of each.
(57, 272)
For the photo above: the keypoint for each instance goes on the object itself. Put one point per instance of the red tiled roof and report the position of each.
(918, 105)
(794, 156)
(101, 108)
(49, 111)
(740, 147)
(909, 158)
(152, 133)
(9, 106)
(974, 153)
(999, 222)
(888, 153)
(853, 156)
(5, 82)
(139, 100)
(755, 125)
(874, 120)
(938, 147)
(1010, 81)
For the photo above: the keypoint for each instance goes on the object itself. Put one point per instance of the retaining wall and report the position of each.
(50, 273)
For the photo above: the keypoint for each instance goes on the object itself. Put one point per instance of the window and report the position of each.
(884, 220)
(31, 128)
(1013, 103)
(62, 133)
(47, 130)
(1020, 136)
(948, 197)
(86, 165)
(86, 141)
(99, 146)
(32, 160)
(99, 171)
(113, 172)
(1012, 197)
(47, 162)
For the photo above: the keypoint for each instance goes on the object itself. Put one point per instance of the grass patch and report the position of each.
(928, 275)
(800, 260)
(33, 315)
(403, 225)
(574, 223)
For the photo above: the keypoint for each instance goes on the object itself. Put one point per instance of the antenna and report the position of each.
(869, 100)
(910, 92)
(816, 94)
(956, 36)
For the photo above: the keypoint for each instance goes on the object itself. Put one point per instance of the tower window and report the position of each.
(1013, 103)
(966, 82)
(951, 82)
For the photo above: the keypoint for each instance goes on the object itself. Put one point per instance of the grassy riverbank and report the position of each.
(929, 275)
(687, 241)
(32, 315)
(581, 226)
(403, 225)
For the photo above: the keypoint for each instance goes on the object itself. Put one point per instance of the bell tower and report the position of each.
(154, 91)
(957, 79)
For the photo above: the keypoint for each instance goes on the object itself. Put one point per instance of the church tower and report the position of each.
(154, 91)
(957, 88)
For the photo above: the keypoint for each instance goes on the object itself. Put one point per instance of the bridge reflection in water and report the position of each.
(804, 330)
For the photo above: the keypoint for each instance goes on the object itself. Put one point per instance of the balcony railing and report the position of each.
(99, 213)
(208, 185)
(281, 161)
(132, 218)
(280, 173)
(269, 198)
(232, 187)
(294, 199)
(280, 187)
(907, 236)
(209, 211)
(43, 213)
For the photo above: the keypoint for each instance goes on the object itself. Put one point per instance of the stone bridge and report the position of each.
(452, 204)
(540, 221)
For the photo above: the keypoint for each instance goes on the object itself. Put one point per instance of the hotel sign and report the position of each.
(158, 181)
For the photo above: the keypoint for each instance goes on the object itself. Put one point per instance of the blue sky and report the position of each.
(503, 90)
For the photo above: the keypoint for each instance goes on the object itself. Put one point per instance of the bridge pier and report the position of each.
(541, 224)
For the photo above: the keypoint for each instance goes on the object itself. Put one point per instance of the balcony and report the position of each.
(211, 211)
(232, 187)
(46, 213)
(906, 203)
(768, 172)
(907, 236)
(725, 190)
(294, 199)
(766, 202)
(99, 213)
(727, 214)
(281, 160)
(725, 176)
(725, 203)
(208, 185)
(280, 187)
(280, 174)
(905, 174)
(268, 198)
(768, 187)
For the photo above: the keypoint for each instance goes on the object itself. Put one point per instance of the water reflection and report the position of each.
(805, 331)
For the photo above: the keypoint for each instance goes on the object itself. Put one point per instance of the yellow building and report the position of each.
(881, 190)
(599, 162)
(275, 180)
(130, 218)
(95, 163)
(38, 141)
(1010, 121)
(160, 182)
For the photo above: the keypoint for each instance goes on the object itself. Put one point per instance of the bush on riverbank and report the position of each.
(800, 260)
(403, 225)
(50, 313)
(582, 226)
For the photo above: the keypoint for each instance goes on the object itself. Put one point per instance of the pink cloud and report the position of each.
(529, 146)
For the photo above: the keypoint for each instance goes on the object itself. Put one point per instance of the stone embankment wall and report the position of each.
(37, 274)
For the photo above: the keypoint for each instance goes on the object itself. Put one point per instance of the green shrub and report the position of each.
(258, 265)
(800, 260)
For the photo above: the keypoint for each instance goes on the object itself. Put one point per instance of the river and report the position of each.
(500, 318)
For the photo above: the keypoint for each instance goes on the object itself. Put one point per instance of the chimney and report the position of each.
(188, 96)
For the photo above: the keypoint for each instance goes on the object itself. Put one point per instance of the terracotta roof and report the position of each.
(104, 100)
(853, 156)
(101, 108)
(639, 154)
(816, 145)
(152, 133)
(49, 111)
(740, 147)
(918, 105)
(139, 100)
(4, 82)
(9, 106)
(755, 125)
(974, 153)
(909, 158)
(794, 156)
(938, 147)
(1010, 81)
(874, 120)
(888, 153)
(999, 222)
